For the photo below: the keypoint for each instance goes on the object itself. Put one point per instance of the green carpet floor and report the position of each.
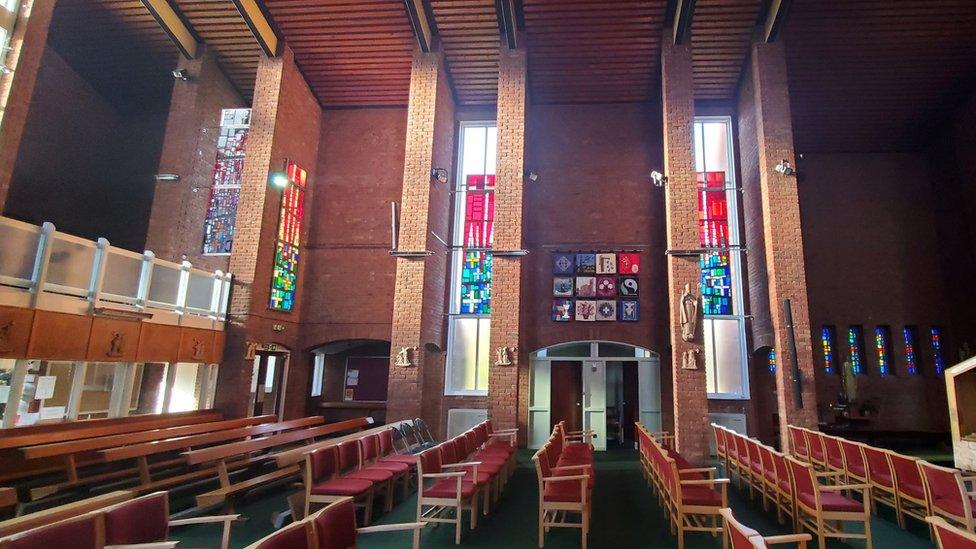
(624, 515)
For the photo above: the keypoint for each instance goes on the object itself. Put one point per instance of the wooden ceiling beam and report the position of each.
(507, 22)
(259, 21)
(175, 25)
(775, 19)
(422, 21)
(684, 11)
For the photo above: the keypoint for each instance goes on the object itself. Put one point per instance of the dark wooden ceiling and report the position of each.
(721, 32)
(877, 75)
(468, 30)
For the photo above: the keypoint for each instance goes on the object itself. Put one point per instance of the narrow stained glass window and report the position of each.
(911, 364)
(713, 232)
(284, 279)
(855, 348)
(828, 334)
(479, 214)
(771, 359)
(938, 357)
(882, 346)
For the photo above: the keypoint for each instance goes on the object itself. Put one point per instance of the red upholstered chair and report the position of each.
(742, 537)
(882, 479)
(351, 467)
(742, 459)
(335, 527)
(834, 455)
(818, 453)
(695, 504)
(855, 464)
(948, 536)
(297, 535)
(322, 484)
(785, 497)
(451, 458)
(948, 496)
(146, 520)
(720, 446)
(369, 451)
(769, 476)
(822, 508)
(732, 455)
(756, 472)
(84, 532)
(447, 495)
(910, 487)
(561, 493)
(798, 443)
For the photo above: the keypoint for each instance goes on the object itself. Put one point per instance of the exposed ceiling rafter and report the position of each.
(422, 21)
(508, 21)
(261, 26)
(775, 19)
(175, 25)
(684, 11)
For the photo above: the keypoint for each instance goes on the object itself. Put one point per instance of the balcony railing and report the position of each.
(42, 263)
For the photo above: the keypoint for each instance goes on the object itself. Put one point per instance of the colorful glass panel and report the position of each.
(284, 279)
(937, 356)
(771, 359)
(713, 232)
(225, 190)
(827, 338)
(478, 235)
(908, 332)
(882, 337)
(855, 348)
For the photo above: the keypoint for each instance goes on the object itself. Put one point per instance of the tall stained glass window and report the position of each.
(469, 324)
(828, 335)
(284, 278)
(855, 348)
(938, 356)
(882, 347)
(909, 333)
(225, 188)
(771, 361)
(723, 325)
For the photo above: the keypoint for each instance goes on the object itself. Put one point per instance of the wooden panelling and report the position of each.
(158, 343)
(470, 38)
(59, 336)
(196, 346)
(219, 341)
(876, 75)
(15, 330)
(721, 34)
(113, 340)
(593, 51)
(353, 53)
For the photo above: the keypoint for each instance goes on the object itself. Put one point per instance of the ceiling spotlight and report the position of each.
(440, 174)
(279, 180)
(532, 176)
(659, 179)
(785, 168)
(181, 74)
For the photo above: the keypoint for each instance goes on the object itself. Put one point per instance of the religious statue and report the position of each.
(504, 356)
(689, 314)
(198, 349)
(115, 345)
(403, 357)
(689, 359)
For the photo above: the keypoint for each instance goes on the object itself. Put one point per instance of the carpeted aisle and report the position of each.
(625, 515)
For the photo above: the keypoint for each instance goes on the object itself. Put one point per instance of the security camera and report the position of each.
(440, 174)
(181, 74)
(659, 179)
(785, 168)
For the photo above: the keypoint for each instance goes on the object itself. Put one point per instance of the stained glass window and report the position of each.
(284, 279)
(882, 346)
(478, 234)
(937, 355)
(911, 364)
(713, 232)
(225, 190)
(828, 335)
(771, 360)
(855, 348)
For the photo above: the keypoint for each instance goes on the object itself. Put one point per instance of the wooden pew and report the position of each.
(8, 500)
(236, 451)
(69, 510)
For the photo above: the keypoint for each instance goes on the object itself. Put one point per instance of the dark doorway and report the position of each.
(631, 398)
(566, 383)
(266, 383)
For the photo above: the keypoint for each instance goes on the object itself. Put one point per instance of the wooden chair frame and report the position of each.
(721, 446)
(416, 527)
(799, 448)
(692, 518)
(908, 505)
(966, 520)
(881, 494)
(364, 500)
(225, 520)
(758, 540)
(554, 514)
(828, 524)
(815, 443)
(440, 507)
(939, 523)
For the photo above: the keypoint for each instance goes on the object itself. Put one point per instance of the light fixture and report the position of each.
(181, 74)
(171, 177)
(659, 179)
(440, 174)
(785, 168)
(532, 176)
(279, 180)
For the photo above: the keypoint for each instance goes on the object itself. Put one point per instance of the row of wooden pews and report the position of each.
(912, 487)
(564, 469)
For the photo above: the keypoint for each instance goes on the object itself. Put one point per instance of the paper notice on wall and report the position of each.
(4, 393)
(352, 378)
(45, 387)
(53, 412)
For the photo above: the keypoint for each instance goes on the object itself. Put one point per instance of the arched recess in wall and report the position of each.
(349, 378)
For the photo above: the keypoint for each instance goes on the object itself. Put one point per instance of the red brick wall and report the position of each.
(81, 164)
(189, 150)
(872, 254)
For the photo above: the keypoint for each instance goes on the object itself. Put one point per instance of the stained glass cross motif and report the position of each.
(478, 235)
(284, 278)
(713, 232)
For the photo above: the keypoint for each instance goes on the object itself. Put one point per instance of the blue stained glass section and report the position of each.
(716, 282)
(476, 283)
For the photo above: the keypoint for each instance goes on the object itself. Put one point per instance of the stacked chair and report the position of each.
(334, 527)
(564, 468)
(692, 498)
(740, 536)
(456, 474)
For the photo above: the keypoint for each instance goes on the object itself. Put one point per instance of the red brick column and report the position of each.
(506, 287)
(285, 120)
(418, 301)
(681, 205)
(783, 234)
(189, 149)
(17, 87)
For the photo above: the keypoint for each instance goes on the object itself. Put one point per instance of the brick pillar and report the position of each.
(782, 233)
(189, 150)
(17, 87)
(418, 300)
(681, 205)
(506, 287)
(285, 119)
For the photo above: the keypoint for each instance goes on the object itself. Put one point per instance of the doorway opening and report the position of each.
(267, 378)
(600, 386)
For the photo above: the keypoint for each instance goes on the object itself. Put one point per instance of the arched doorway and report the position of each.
(602, 386)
